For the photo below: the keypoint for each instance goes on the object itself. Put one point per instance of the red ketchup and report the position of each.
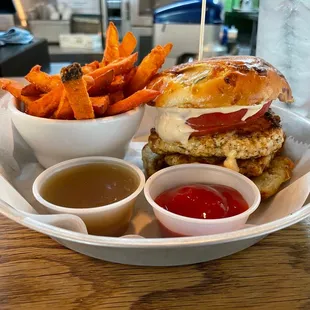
(203, 201)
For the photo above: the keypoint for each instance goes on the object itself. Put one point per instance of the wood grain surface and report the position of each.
(38, 273)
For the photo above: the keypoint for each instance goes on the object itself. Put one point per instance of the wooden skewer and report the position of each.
(202, 28)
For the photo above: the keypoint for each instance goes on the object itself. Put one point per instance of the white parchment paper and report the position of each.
(19, 166)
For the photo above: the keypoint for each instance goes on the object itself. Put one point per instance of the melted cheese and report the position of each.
(171, 126)
(231, 162)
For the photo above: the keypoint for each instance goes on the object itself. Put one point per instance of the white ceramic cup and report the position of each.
(200, 173)
(54, 141)
(109, 220)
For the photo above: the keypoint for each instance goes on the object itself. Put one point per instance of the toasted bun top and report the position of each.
(220, 82)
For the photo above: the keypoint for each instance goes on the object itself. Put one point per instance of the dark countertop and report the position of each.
(18, 59)
(58, 54)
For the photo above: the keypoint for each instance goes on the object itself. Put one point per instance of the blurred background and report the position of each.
(73, 30)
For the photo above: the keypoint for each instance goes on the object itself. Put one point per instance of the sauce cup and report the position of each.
(177, 225)
(108, 220)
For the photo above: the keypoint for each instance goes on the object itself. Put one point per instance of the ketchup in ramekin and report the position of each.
(203, 201)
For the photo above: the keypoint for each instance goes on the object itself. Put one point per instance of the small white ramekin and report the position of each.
(108, 220)
(176, 225)
(54, 141)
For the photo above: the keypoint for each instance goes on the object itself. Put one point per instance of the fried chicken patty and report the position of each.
(240, 146)
(272, 171)
(279, 171)
(250, 167)
(152, 162)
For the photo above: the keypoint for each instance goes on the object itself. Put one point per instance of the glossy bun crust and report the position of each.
(220, 82)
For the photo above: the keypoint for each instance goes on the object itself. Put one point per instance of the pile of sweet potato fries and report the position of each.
(113, 86)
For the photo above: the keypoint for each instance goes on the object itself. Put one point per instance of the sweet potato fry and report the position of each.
(27, 101)
(117, 96)
(168, 48)
(64, 110)
(117, 85)
(42, 80)
(138, 98)
(111, 51)
(128, 45)
(12, 87)
(31, 90)
(76, 91)
(47, 104)
(90, 82)
(100, 105)
(128, 77)
(148, 68)
(88, 68)
(101, 83)
(119, 67)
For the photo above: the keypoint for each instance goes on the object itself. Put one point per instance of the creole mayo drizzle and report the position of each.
(171, 126)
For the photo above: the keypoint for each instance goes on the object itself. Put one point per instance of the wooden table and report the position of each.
(38, 273)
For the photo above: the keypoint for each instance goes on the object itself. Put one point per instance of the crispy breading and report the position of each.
(250, 167)
(254, 166)
(279, 171)
(255, 144)
(151, 161)
(179, 159)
